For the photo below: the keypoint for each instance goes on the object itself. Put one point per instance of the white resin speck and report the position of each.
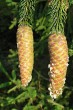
(51, 68)
(67, 64)
(48, 65)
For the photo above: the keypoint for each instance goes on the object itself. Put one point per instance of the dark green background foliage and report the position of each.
(36, 96)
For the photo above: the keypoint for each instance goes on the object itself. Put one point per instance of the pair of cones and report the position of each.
(58, 51)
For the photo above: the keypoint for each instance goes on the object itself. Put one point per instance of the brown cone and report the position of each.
(25, 53)
(58, 51)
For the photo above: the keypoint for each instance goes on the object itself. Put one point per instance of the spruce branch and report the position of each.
(27, 11)
(56, 15)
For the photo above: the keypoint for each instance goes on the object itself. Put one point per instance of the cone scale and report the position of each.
(25, 53)
(58, 51)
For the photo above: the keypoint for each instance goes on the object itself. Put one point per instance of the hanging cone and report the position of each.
(58, 51)
(25, 53)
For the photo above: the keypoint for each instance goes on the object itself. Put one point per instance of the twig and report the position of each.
(54, 103)
(41, 75)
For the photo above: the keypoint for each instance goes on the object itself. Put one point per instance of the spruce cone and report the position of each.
(25, 53)
(58, 51)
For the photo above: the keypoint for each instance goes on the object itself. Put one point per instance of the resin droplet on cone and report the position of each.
(25, 53)
(58, 51)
